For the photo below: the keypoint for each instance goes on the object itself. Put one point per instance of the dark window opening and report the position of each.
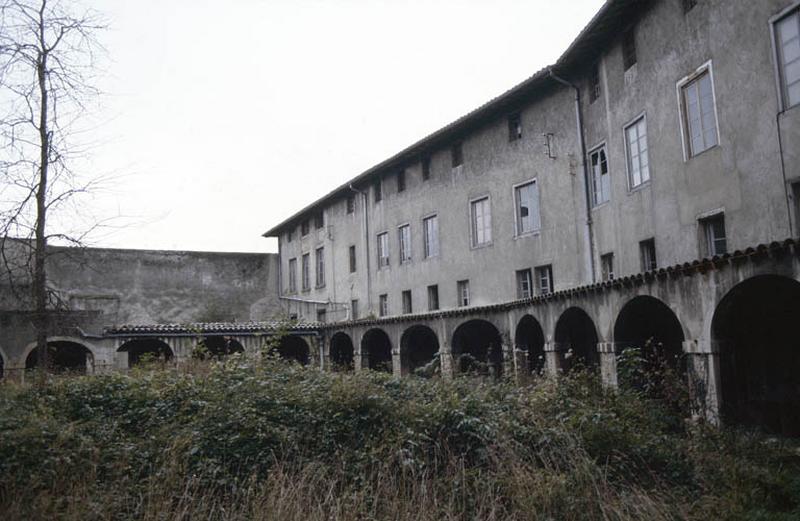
(351, 203)
(647, 251)
(426, 168)
(457, 155)
(352, 253)
(319, 220)
(305, 227)
(629, 49)
(376, 190)
(514, 127)
(594, 83)
(401, 181)
(688, 5)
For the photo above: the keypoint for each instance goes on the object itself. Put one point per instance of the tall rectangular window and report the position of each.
(430, 236)
(601, 179)
(457, 154)
(320, 258)
(714, 231)
(404, 234)
(351, 204)
(401, 181)
(306, 272)
(594, 83)
(462, 288)
(787, 42)
(647, 252)
(304, 227)
(524, 283)
(544, 279)
(352, 256)
(636, 149)
(699, 114)
(433, 297)
(383, 250)
(607, 266)
(383, 305)
(629, 49)
(319, 220)
(354, 309)
(293, 275)
(426, 168)
(515, 127)
(407, 307)
(526, 200)
(289, 235)
(377, 191)
(481, 222)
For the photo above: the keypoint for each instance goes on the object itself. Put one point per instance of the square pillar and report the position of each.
(704, 378)
(552, 358)
(608, 364)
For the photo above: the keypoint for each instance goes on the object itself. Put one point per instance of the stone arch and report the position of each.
(576, 340)
(220, 345)
(65, 355)
(294, 348)
(648, 323)
(376, 350)
(146, 348)
(478, 348)
(529, 337)
(342, 353)
(754, 328)
(418, 348)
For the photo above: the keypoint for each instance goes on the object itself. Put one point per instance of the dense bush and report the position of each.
(266, 440)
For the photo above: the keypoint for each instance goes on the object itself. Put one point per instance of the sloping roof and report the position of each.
(612, 17)
(210, 328)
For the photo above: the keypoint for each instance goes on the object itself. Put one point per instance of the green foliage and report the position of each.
(249, 436)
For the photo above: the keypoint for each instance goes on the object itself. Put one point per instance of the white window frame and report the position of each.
(776, 56)
(430, 248)
(473, 233)
(319, 263)
(305, 271)
(383, 304)
(527, 273)
(707, 67)
(405, 246)
(592, 195)
(463, 293)
(292, 269)
(382, 246)
(607, 274)
(642, 116)
(408, 304)
(537, 273)
(703, 221)
(536, 229)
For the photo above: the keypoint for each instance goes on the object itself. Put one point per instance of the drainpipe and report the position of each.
(579, 124)
(366, 243)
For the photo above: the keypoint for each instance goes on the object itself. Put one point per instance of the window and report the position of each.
(304, 227)
(515, 127)
(319, 255)
(787, 42)
(636, 150)
(289, 235)
(524, 284)
(404, 233)
(401, 181)
(352, 256)
(607, 266)
(354, 309)
(351, 204)
(426, 168)
(647, 251)
(376, 191)
(306, 275)
(319, 220)
(457, 155)
(594, 83)
(462, 287)
(481, 222)
(383, 305)
(430, 236)
(321, 315)
(629, 49)
(699, 114)
(407, 302)
(433, 297)
(601, 179)
(526, 199)
(688, 5)
(544, 279)
(293, 275)
(383, 250)
(714, 231)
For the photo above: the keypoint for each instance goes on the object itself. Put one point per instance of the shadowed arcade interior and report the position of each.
(63, 357)
(576, 338)
(755, 329)
(418, 348)
(294, 348)
(220, 346)
(146, 349)
(342, 353)
(477, 349)
(376, 348)
(529, 337)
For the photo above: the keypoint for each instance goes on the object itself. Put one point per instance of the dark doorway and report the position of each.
(377, 348)
(418, 348)
(530, 338)
(755, 329)
(576, 337)
(146, 350)
(477, 349)
(294, 348)
(342, 352)
(63, 357)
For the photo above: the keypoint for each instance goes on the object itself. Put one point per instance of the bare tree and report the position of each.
(47, 65)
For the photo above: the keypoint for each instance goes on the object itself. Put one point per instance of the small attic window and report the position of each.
(515, 127)
(629, 49)
(594, 83)
(457, 154)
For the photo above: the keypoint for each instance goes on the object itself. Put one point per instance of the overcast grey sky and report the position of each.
(222, 118)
